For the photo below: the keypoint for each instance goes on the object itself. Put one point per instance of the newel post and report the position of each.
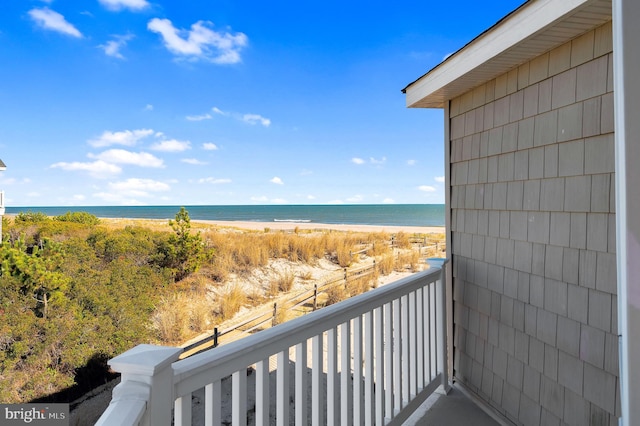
(441, 321)
(148, 366)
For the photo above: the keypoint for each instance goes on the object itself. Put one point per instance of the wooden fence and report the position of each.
(307, 301)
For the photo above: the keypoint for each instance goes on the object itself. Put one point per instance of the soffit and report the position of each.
(531, 30)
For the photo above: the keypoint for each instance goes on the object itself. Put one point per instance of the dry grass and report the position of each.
(359, 285)
(386, 264)
(335, 294)
(171, 319)
(230, 300)
(407, 260)
(402, 240)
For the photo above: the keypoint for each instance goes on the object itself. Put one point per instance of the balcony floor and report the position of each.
(454, 409)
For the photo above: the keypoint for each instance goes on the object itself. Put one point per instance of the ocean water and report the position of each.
(355, 214)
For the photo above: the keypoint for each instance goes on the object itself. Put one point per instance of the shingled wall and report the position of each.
(533, 238)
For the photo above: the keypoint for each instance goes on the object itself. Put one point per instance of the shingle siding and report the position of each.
(533, 230)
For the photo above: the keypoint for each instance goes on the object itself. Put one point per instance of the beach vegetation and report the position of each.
(76, 291)
(78, 217)
(31, 217)
(386, 263)
(231, 299)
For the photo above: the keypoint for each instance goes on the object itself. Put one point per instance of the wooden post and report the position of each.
(315, 297)
(274, 322)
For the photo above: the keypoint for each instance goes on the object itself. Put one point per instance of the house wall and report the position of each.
(533, 238)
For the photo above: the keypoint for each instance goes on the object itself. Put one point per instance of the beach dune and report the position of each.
(312, 225)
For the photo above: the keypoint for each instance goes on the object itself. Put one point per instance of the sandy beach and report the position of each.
(312, 225)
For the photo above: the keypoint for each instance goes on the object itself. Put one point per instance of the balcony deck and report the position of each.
(453, 409)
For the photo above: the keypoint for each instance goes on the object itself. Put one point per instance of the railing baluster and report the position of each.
(368, 368)
(301, 384)
(212, 404)
(420, 337)
(412, 346)
(239, 398)
(346, 388)
(262, 392)
(282, 389)
(404, 301)
(388, 359)
(433, 336)
(332, 376)
(397, 363)
(182, 411)
(378, 327)
(357, 372)
(317, 390)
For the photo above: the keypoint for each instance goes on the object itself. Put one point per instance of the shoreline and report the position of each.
(314, 225)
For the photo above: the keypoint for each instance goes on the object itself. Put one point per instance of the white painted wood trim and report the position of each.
(626, 33)
(529, 20)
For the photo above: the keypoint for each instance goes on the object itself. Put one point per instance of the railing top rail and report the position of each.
(201, 369)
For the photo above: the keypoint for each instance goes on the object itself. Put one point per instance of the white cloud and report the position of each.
(135, 187)
(255, 119)
(376, 161)
(219, 111)
(426, 188)
(311, 197)
(279, 201)
(148, 107)
(277, 180)
(439, 179)
(214, 181)
(411, 162)
(125, 137)
(355, 199)
(122, 156)
(208, 146)
(335, 202)
(251, 119)
(388, 201)
(134, 5)
(357, 160)
(193, 161)
(171, 145)
(200, 42)
(114, 199)
(97, 169)
(50, 20)
(306, 172)
(198, 117)
(112, 47)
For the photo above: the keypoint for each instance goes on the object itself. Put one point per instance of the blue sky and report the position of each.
(141, 102)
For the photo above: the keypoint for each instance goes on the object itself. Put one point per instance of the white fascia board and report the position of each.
(524, 23)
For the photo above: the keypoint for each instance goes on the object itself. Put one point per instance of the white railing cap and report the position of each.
(436, 262)
(145, 359)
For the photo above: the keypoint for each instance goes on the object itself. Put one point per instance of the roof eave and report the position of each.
(519, 37)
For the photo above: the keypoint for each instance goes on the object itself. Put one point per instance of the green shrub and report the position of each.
(78, 217)
(31, 217)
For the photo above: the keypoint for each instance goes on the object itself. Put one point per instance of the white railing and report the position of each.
(371, 359)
